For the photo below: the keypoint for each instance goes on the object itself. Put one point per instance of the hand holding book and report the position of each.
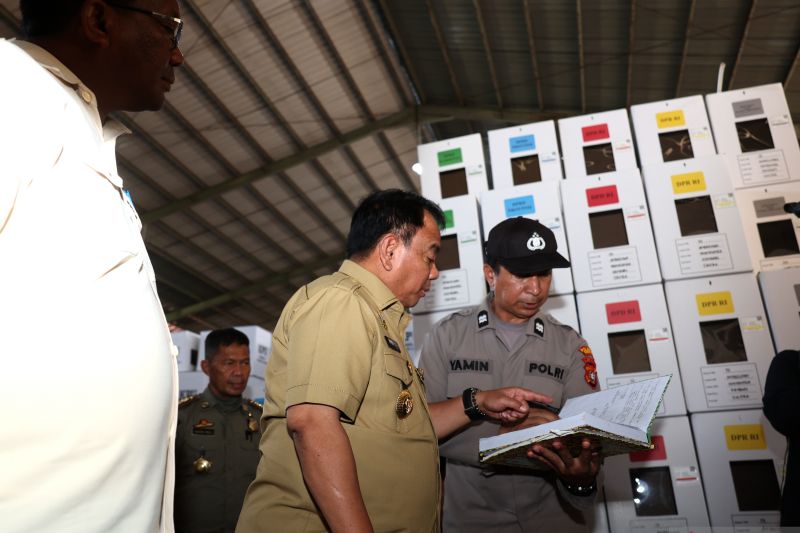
(617, 419)
(579, 466)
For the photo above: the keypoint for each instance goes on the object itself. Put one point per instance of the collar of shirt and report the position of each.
(384, 298)
(226, 404)
(112, 128)
(486, 306)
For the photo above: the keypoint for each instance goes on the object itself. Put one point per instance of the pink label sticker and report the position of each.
(658, 453)
(602, 195)
(621, 312)
(595, 132)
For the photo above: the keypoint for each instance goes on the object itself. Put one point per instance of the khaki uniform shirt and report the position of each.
(225, 433)
(463, 351)
(339, 342)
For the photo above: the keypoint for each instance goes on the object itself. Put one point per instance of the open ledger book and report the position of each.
(618, 420)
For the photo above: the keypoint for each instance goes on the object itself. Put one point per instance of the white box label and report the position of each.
(752, 323)
(776, 263)
(685, 475)
(449, 290)
(758, 168)
(756, 523)
(658, 335)
(723, 201)
(735, 385)
(615, 266)
(706, 253)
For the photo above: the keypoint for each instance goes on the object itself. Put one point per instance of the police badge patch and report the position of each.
(483, 319)
(589, 366)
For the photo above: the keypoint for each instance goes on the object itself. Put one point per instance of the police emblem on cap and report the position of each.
(538, 327)
(483, 319)
(536, 242)
(404, 404)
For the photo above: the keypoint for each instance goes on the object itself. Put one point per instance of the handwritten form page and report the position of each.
(632, 405)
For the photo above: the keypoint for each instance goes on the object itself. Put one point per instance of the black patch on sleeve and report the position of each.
(483, 319)
(538, 327)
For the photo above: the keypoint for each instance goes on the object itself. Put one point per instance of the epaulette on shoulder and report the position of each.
(454, 315)
(551, 319)
(255, 404)
(186, 401)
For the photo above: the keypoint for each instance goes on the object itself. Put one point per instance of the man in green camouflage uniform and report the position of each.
(217, 442)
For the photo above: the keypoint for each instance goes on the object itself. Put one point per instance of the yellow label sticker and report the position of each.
(745, 437)
(714, 303)
(689, 182)
(670, 119)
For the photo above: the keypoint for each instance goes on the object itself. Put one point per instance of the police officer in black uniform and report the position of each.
(217, 440)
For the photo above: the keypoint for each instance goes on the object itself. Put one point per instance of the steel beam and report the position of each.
(631, 39)
(742, 41)
(685, 52)
(532, 47)
(581, 63)
(437, 30)
(488, 49)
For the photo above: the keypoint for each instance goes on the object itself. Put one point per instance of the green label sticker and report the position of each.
(449, 157)
(448, 220)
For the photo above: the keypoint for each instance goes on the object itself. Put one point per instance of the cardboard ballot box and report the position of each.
(260, 348)
(672, 130)
(421, 325)
(537, 201)
(596, 144)
(741, 457)
(722, 339)
(608, 230)
(697, 226)
(660, 489)
(460, 261)
(773, 235)
(780, 290)
(524, 154)
(188, 344)
(452, 167)
(753, 129)
(630, 335)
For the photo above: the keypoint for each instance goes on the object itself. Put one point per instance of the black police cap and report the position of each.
(524, 246)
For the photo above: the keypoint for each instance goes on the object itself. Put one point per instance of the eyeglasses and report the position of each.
(173, 24)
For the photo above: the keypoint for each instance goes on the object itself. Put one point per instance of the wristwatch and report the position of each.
(580, 490)
(471, 408)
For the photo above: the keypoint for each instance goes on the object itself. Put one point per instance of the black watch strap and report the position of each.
(471, 408)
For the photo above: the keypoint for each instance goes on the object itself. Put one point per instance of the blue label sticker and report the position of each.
(523, 143)
(520, 206)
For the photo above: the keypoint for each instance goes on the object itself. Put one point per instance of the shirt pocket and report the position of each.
(464, 378)
(545, 386)
(400, 395)
(195, 446)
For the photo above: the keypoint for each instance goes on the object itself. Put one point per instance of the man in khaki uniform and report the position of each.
(350, 443)
(217, 441)
(507, 341)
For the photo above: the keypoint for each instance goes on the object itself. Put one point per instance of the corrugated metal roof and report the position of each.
(287, 113)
